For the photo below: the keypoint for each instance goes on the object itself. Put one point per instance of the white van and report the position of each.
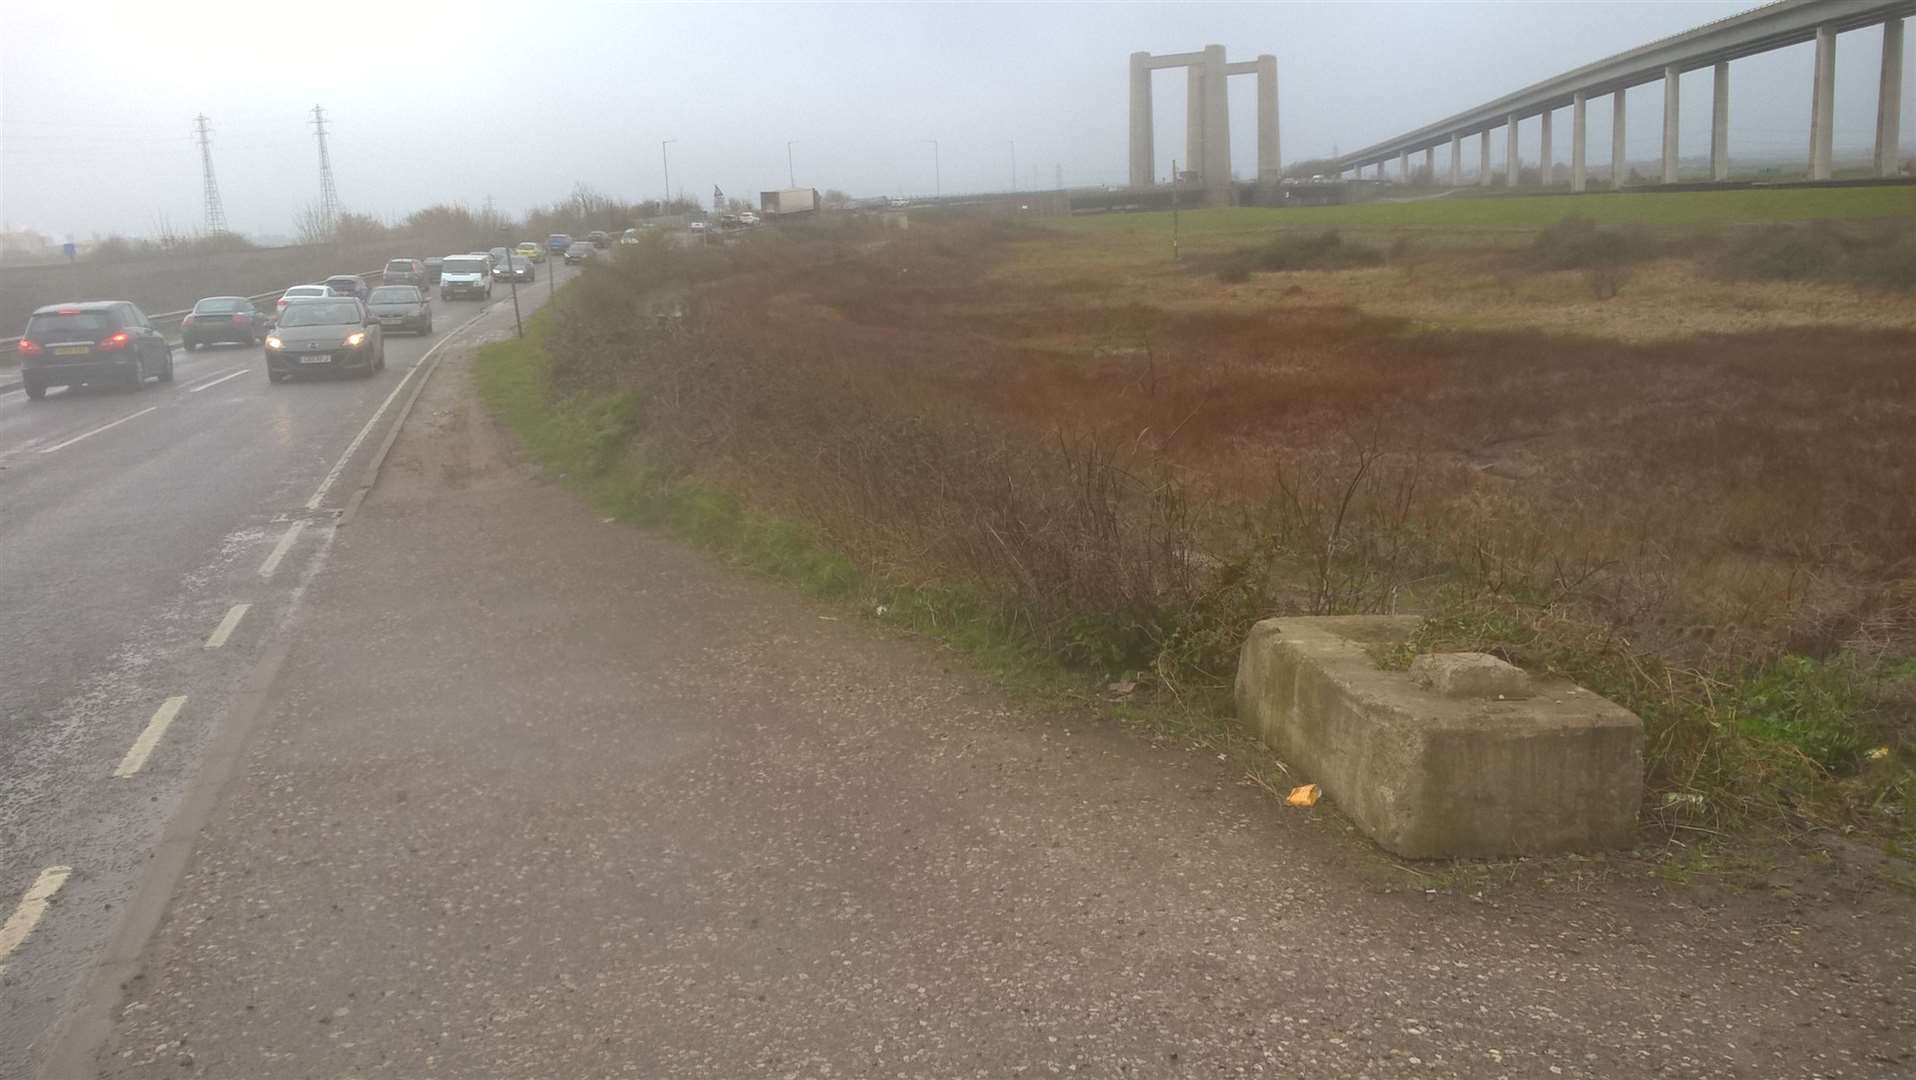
(465, 275)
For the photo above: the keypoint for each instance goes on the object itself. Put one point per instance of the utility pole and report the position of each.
(210, 188)
(666, 164)
(506, 239)
(937, 183)
(328, 194)
(791, 175)
(1174, 210)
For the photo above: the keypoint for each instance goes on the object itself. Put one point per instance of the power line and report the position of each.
(328, 194)
(210, 188)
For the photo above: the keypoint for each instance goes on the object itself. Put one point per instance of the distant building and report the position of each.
(24, 244)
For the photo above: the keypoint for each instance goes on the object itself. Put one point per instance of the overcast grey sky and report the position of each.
(519, 100)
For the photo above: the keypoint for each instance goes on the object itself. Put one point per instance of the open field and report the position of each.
(1473, 211)
(1691, 494)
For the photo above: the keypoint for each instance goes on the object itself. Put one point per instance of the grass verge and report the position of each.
(579, 437)
(857, 424)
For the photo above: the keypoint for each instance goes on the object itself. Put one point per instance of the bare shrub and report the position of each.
(1606, 281)
(1577, 243)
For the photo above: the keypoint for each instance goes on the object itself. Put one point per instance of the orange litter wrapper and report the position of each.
(1304, 795)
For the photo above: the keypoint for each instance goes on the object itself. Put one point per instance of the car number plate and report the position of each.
(72, 350)
(319, 358)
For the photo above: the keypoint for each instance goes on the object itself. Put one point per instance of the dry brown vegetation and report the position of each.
(1710, 518)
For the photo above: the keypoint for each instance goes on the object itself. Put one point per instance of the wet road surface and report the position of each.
(154, 545)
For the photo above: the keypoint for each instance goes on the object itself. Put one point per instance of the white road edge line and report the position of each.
(280, 549)
(227, 625)
(142, 747)
(339, 466)
(97, 430)
(32, 906)
(215, 382)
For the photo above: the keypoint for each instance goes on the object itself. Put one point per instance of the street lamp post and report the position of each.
(666, 164)
(791, 175)
(937, 183)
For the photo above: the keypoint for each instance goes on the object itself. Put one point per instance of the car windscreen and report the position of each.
(307, 290)
(462, 266)
(70, 326)
(320, 313)
(399, 266)
(395, 294)
(344, 284)
(222, 305)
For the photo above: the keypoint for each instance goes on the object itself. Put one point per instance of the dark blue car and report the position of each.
(557, 243)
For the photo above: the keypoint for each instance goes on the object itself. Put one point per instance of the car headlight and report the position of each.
(355, 340)
(273, 342)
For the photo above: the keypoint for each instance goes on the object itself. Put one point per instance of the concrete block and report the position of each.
(1470, 675)
(1430, 763)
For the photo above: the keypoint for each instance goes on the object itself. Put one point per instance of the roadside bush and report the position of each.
(1311, 251)
(1882, 258)
(1117, 514)
(1577, 243)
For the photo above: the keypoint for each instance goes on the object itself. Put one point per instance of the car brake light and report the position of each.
(241, 316)
(68, 311)
(113, 341)
(188, 321)
(28, 348)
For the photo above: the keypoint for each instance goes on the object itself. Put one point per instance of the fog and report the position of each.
(518, 102)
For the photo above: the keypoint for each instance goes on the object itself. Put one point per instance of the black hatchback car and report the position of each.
(97, 342)
(221, 318)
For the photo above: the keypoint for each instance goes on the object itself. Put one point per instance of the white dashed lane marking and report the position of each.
(215, 382)
(32, 906)
(280, 549)
(225, 629)
(142, 747)
(97, 430)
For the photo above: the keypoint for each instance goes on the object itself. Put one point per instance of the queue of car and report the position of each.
(334, 325)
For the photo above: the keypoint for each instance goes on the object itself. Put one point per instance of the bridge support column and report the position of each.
(1194, 121)
(1672, 79)
(1270, 164)
(1577, 107)
(1483, 158)
(1143, 164)
(1720, 123)
(1513, 165)
(1619, 167)
(1889, 100)
(1544, 164)
(1456, 161)
(1217, 129)
(1403, 166)
(1823, 103)
(1430, 165)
